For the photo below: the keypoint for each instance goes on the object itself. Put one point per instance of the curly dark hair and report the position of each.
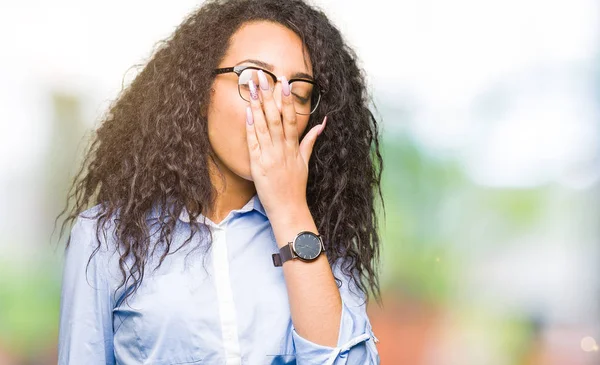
(145, 152)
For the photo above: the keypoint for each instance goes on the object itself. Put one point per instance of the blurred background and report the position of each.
(490, 114)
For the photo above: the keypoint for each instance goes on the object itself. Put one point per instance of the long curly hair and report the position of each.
(152, 148)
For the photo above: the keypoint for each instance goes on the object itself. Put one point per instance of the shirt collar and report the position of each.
(252, 204)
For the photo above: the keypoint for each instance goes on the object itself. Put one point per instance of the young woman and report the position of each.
(224, 213)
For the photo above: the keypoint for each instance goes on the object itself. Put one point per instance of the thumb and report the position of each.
(308, 142)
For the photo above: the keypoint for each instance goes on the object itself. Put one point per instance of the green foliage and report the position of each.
(29, 305)
(437, 217)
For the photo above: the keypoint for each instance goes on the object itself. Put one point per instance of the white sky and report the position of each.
(434, 57)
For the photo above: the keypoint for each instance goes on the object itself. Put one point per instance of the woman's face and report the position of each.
(280, 49)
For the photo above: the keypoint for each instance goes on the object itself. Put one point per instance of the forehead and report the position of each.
(269, 42)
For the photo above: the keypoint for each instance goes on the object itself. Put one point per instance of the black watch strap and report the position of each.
(285, 253)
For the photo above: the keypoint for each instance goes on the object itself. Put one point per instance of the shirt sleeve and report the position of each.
(356, 340)
(85, 329)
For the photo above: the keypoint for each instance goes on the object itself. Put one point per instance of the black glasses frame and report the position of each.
(240, 68)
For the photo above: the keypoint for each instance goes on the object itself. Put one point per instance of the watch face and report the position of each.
(307, 246)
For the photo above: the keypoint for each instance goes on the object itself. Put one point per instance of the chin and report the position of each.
(244, 172)
(247, 177)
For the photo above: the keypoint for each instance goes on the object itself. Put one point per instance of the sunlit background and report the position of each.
(491, 136)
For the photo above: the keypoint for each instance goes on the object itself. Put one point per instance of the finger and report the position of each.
(288, 112)
(253, 145)
(308, 142)
(271, 111)
(260, 125)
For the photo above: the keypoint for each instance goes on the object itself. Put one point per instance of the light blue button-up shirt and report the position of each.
(223, 305)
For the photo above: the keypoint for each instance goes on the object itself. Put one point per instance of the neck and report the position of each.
(232, 192)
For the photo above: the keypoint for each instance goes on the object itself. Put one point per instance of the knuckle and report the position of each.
(275, 121)
(292, 118)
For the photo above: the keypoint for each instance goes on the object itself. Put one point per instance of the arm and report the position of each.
(85, 330)
(330, 325)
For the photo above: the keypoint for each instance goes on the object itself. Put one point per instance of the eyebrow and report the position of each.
(270, 67)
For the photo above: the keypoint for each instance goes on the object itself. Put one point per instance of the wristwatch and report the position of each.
(307, 246)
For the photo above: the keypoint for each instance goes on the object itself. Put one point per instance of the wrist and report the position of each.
(289, 215)
(287, 225)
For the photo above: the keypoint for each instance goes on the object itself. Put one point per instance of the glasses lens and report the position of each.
(247, 75)
(306, 96)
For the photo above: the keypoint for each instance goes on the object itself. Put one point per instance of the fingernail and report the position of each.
(322, 126)
(253, 92)
(262, 80)
(249, 117)
(285, 86)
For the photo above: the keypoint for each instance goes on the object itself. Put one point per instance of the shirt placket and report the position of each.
(227, 313)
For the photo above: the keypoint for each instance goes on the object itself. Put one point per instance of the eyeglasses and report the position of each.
(307, 93)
